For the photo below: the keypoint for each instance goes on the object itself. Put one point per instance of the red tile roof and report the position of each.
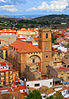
(3, 63)
(35, 38)
(15, 89)
(2, 48)
(62, 68)
(24, 47)
(8, 31)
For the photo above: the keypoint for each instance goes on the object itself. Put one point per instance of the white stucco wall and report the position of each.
(47, 82)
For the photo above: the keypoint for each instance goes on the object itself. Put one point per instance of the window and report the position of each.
(13, 97)
(23, 90)
(68, 66)
(0, 42)
(46, 35)
(50, 83)
(68, 77)
(14, 49)
(36, 85)
(44, 96)
(15, 74)
(33, 60)
(46, 56)
(9, 81)
(37, 67)
(64, 65)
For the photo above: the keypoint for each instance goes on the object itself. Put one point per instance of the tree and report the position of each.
(51, 72)
(35, 94)
(53, 39)
(28, 74)
(54, 27)
(32, 25)
(58, 95)
(51, 97)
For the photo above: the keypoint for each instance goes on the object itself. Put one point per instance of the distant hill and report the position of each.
(60, 18)
(53, 21)
(13, 18)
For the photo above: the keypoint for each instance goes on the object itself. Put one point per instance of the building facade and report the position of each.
(7, 37)
(22, 54)
(44, 43)
(39, 83)
(7, 74)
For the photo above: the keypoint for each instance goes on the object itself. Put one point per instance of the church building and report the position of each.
(22, 54)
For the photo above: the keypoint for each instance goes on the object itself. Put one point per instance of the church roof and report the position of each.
(24, 47)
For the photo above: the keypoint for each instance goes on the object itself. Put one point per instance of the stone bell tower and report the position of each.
(44, 43)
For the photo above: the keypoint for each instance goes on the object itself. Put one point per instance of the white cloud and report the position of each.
(2, 1)
(59, 5)
(10, 8)
(55, 5)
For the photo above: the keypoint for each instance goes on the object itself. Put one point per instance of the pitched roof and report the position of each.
(24, 47)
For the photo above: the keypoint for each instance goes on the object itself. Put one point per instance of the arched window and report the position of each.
(33, 60)
(46, 35)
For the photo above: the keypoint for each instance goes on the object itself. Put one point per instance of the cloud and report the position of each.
(9, 8)
(55, 5)
(2, 1)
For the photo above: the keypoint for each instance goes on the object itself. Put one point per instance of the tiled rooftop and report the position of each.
(24, 47)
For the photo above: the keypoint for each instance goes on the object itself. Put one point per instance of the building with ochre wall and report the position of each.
(44, 43)
(22, 54)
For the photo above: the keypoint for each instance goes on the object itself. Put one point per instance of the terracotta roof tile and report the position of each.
(24, 47)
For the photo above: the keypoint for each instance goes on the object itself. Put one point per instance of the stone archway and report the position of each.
(34, 62)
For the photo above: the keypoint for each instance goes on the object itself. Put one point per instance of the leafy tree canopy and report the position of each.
(35, 94)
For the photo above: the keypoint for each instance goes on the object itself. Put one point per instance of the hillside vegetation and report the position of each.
(53, 21)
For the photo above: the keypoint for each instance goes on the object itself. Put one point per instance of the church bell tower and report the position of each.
(44, 43)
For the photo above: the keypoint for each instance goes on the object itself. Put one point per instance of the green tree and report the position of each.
(54, 27)
(35, 94)
(32, 25)
(58, 95)
(53, 39)
(51, 97)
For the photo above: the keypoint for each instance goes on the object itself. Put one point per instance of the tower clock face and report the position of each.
(46, 47)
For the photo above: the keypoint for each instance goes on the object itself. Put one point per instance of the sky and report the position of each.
(33, 8)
